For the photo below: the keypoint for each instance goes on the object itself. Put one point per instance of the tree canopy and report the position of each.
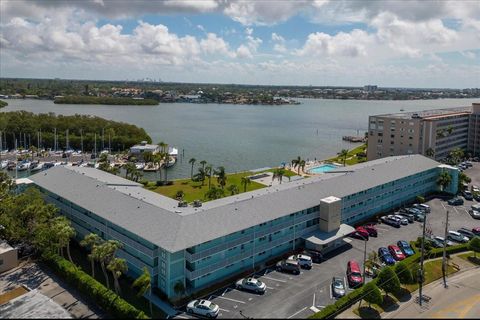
(388, 280)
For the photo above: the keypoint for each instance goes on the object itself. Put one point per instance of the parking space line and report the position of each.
(220, 297)
(293, 315)
(314, 309)
(284, 281)
(270, 288)
(223, 310)
(181, 317)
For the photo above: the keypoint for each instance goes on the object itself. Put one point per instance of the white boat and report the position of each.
(140, 165)
(24, 165)
(173, 152)
(171, 162)
(3, 164)
(151, 167)
(39, 166)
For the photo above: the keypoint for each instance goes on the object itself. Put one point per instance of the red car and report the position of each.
(362, 232)
(372, 231)
(476, 231)
(396, 253)
(354, 275)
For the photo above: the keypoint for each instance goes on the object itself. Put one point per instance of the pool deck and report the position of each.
(312, 164)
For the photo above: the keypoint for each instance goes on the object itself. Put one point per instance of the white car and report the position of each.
(402, 220)
(251, 284)
(303, 260)
(203, 308)
(456, 236)
(441, 240)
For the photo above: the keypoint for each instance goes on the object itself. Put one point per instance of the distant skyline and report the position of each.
(412, 44)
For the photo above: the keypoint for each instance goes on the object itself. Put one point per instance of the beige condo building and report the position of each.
(431, 133)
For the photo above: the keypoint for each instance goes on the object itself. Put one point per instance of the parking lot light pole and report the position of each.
(444, 260)
(364, 256)
(420, 275)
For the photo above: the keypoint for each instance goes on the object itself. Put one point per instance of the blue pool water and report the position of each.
(322, 168)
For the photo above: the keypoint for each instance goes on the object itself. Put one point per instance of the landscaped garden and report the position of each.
(354, 156)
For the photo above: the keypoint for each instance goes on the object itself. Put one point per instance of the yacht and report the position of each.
(151, 167)
(24, 165)
(3, 164)
(171, 162)
(37, 167)
(140, 165)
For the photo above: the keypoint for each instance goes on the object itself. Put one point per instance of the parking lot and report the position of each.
(299, 296)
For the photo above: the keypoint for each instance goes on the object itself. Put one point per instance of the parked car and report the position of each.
(251, 284)
(422, 207)
(338, 287)
(475, 211)
(441, 240)
(303, 260)
(475, 189)
(415, 211)
(316, 256)
(434, 242)
(410, 217)
(362, 232)
(456, 236)
(476, 231)
(476, 196)
(403, 220)
(291, 266)
(466, 232)
(455, 201)
(392, 222)
(405, 247)
(467, 195)
(396, 253)
(385, 256)
(420, 217)
(372, 231)
(203, 307)
(354, 275)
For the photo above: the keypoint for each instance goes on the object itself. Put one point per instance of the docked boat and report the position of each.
(171, 162)
(151, 167)
(3, 164)
(173, 152)
(11, 165)
(24, 165)
(37, 167)
(139, 165)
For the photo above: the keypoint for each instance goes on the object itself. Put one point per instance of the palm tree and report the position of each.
(233, 188)
(117, 267)
(343, 154)
(278, 174)
(208, 173)
(444, 180)
(157, 161)
(105, 253)
(91, 240)
(144, 284)
(192, 162)
(203, 163)
(162, 146)
(295, 162)
(129, 168)
(200, 176)
(430, 152)
(221, 176)
(245, 181)
(64, 231)
(166, 158)
(300, 165)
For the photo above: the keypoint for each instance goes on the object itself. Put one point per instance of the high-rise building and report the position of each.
(432, 133)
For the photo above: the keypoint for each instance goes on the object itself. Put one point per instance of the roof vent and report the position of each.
(138, 207)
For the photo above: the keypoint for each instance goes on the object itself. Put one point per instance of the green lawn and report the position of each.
(352, 154)
(195, 190)
(468, 256)
(433, 271)
(287, 173)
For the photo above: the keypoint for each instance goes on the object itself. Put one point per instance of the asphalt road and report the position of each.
(289, 296)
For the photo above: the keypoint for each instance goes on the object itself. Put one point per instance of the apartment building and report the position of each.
(433, 133)
(228, 236)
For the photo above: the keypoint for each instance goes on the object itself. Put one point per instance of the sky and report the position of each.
(426, 44)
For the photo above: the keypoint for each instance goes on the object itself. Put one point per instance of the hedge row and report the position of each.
(348, 300)
(94, 290)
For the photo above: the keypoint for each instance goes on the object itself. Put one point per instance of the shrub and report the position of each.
(105, 298)
(372, 294)
(420, 199)
(403, 273)
(474, 245)
(388, 281)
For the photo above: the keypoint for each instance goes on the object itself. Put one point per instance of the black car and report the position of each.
(316, 256)
(467, 195)
(455, 201)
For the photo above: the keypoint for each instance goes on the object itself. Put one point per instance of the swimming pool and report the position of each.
(322, 168)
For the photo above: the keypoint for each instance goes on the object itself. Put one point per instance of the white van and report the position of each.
(423, 207)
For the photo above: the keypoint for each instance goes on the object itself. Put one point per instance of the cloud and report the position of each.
(351, 44)
(215, 45)
(279, 43)
(243, 52)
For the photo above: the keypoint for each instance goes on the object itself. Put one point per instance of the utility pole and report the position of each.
(421, 271)
(444, 260)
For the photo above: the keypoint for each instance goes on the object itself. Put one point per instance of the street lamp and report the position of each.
(364, 254)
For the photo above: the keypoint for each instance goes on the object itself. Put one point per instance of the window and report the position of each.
(1, 262)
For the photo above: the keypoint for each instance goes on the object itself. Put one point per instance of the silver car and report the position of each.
(251, 284)
(441, 241)
(402, 219)
(304, 260)
(457, 237)
(203, 308)
(338, 287)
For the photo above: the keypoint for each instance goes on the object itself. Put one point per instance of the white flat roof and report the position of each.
(321, 238)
